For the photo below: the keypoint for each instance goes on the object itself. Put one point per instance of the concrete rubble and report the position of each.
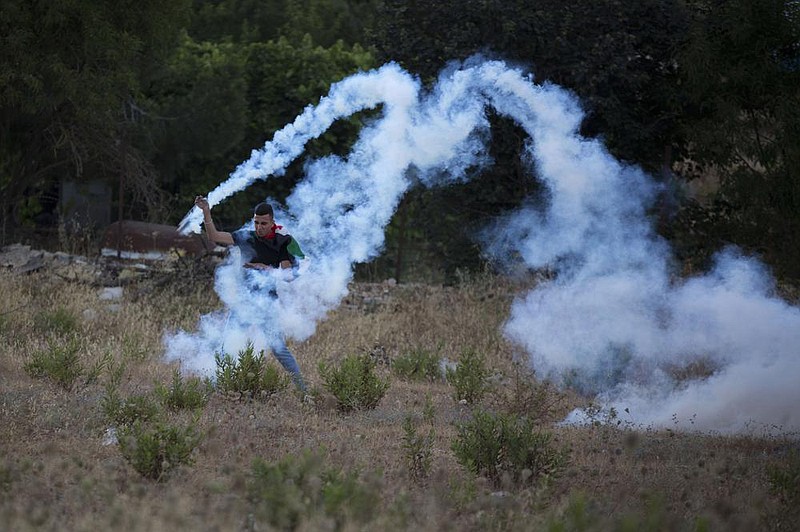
(102, 271)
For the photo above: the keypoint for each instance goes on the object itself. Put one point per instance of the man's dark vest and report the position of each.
(269, 251)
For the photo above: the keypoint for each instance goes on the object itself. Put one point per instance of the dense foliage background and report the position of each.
(164, 99)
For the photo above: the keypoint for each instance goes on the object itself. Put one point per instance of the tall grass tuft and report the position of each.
(59, 363)
(295, 490)
(155, 450)
(184, 394)
(354, 383)
(417, 365)
(60, 321)
(417, 450)
(469, 378)
(784, 480)
(507, 447)
(249, 375)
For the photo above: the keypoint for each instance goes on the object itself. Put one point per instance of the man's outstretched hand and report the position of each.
(202, 203)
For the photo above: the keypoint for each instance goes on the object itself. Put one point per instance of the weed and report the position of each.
(462, 491)
(417, 451)
(428, 409)
(417, 365)
(469, 378)
(59, 363)
(111, 401)
(354, 382)
(133, 409)
(287, 492)
(191, 393)
(93, 373)
(7, 477)
(155, 450)
(582, 514)
(784, 480)
(249, 375)
(526, 396)
(132, 348)
(60, 321)
(506, 444)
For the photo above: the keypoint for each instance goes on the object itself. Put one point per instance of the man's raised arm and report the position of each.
(220, 237)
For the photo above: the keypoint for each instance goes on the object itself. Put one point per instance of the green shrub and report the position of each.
(428, 409)
(538, 400)
(507, 445)
(249, 375)
(469, 378)
(354, 383)
(191, 393)
(417, 365)
(60, 321)
(417, 451)
(296, 489)
(59, 363)
(94, 372)
(155, 450)
(7, 477)
(784, 480)
(130, 410)
(586, 515)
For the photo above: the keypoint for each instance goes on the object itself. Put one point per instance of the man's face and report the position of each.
(263, 223)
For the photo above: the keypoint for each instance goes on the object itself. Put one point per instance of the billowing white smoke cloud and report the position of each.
(612, 321)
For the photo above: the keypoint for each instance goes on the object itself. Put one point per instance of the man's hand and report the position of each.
(202, 203)
(257, 266)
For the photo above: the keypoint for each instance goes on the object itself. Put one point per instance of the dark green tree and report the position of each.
(240, 21)
(246, 21)
(329, 21)
(741, 69)
(70, 79)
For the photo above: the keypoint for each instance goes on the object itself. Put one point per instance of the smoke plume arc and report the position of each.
(613, 320)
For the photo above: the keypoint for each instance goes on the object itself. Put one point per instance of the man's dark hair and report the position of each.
(262, 209)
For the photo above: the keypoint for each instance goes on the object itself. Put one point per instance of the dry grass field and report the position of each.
(278, 462)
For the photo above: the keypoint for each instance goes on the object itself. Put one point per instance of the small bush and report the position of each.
(469, 378)
(191, 393)
(507, 445)
(59, 363)
(249, 375)
(525, 396)
(417, 365)
(60, 321)
(784, 480)
(133, 409)
(94, 372)
(588, 515)
(156, 450)
(7, 477)
(354, 383)
(417, 451)
(428, 409)
(296, 489)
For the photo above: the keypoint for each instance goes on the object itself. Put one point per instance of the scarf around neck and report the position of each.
(271, 234)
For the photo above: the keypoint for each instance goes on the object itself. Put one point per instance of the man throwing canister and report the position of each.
(265, 248)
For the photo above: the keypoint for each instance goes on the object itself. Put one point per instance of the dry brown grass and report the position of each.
(56, 473)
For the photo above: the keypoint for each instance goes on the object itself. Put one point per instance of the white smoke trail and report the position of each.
(612, 321)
